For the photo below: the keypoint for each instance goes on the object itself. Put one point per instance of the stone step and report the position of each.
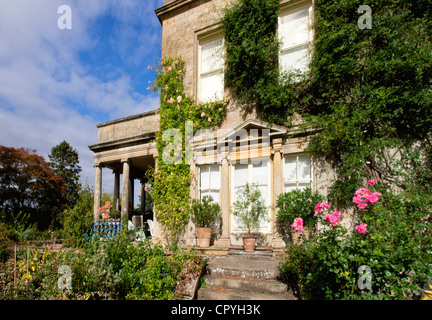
(233, 277)
(244, 267)
(229, 294)
(246, 284)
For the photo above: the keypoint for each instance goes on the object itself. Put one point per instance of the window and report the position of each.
(257, 173)
(211, 69)
(297, 172)
(295, 36)
(210, 182)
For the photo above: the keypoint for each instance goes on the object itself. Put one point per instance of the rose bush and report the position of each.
(390, 235)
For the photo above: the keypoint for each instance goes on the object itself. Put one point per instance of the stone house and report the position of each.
(190, 29)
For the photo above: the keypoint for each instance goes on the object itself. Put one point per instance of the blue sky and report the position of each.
(57, 84)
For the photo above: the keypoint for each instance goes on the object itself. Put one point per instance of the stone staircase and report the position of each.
(243, 277)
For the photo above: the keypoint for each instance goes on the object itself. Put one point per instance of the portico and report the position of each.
(126, 147)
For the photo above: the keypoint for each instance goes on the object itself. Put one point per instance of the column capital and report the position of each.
(276, 145)
(98, 165)
(125, 160)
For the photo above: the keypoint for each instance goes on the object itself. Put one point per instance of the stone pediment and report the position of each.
(249, 126)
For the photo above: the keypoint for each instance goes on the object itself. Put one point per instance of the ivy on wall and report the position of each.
(171, 180)
(366, 91)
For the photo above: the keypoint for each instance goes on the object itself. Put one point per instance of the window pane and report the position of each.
(204, 193)
(290, 168)
(214, 177)
(294, 28)
(205, 177)
(240, 174)
(212, 86)
(303, 185)
(215, 195)
(304, 167)
(260, 173)
(211, 56)
(295, 59)
(264, 194)
(290, 187)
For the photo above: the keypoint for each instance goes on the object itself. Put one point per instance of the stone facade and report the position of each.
(124, 145)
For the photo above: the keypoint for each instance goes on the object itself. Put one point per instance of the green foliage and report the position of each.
(65, 162)
(78, 219)
(107, 269)
(249, 206)
(396, 247)
(252, 50)
(171, 181)
(370, 88)
(205, 212)
(297, 204)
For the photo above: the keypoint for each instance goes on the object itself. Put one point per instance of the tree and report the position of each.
(65, 162)
(29, 185)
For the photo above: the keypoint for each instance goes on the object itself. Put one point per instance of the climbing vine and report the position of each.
(171, 180)
(252, 72)
(367, 91)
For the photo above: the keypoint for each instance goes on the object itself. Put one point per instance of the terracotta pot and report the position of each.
(204, 236)
(249, 243)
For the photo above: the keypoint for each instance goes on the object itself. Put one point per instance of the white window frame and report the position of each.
(284, 49)
(211, 188)
(213, 72)
(266, 226)
(297, 181)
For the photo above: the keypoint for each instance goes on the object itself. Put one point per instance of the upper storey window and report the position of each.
(295, 35)
(211, 68)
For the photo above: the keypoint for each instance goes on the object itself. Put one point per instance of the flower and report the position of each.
(371, 182)
(209, 119)
(298, 225)
(170, 100)
(320, 208)
(179, 99)
(333, 218)
(202, 114)
(361, 228)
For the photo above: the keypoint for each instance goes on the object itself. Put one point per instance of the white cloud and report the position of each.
(47, 94)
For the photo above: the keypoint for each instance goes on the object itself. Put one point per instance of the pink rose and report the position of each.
(202, 114)
(209, 119)
(170, 100)
(371, 182)
(298, 224)
(361, 228)
(320, 207)
(179, 99)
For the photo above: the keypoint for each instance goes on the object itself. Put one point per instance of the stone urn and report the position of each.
(249, 243)
(204, 236)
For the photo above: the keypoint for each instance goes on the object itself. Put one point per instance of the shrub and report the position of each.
(205, 212)
(391, 238)
(297, 204)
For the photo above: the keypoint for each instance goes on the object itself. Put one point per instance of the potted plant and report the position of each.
(250, 208)
(205, 214)
(296, 213)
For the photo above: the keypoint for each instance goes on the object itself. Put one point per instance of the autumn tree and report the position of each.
(65, 162)
(29, 185)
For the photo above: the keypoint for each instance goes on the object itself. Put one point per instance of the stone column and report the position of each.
(143, 197)
(131, 193)
(277, 187)
(116, 190)
(224, 197)
(125, 188)
(97, 191)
